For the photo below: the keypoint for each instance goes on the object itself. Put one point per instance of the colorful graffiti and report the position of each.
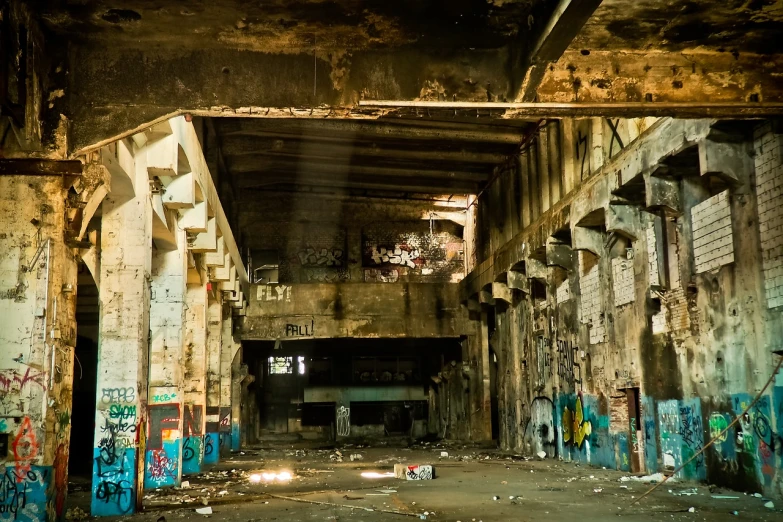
(162, 456)
(23, 496)
(576, 428)
(755, 440)
(24, 448)
(193, 438)
(648, 433)
(682, 436)
(113, 471)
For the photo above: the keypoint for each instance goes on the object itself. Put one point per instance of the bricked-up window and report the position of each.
(590, 306)
(713, 240)
(281, 365)
(562, 285)
(768, 145)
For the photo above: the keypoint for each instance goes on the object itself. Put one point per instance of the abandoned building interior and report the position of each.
(332, 236)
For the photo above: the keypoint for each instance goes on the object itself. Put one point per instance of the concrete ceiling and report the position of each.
(736, 26)
(292, 26)
(401, 155)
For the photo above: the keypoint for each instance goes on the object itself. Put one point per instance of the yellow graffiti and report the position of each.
(575, 427)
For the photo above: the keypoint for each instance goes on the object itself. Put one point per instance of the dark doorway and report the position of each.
(85, 378)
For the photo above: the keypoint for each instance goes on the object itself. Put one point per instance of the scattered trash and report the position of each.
(356, 456)
(444, 453)
(651, 479)
(504, 482)
(346, 497)
(623, 487)
(76, 514)
(598, 490)
(692, 510)
(770, 505)
(222, 493)
(735, 513)
(757, 495)
(541, 454)
(496, 497)
(724, 497)
(684, 492)
(185, 484)
(204, 511)
(386, 491)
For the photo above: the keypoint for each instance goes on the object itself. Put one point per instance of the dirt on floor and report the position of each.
(471, 484)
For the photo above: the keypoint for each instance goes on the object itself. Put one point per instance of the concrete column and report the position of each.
(195, 364)
(163, 461)
(37, 306)
(238, 375)
(214, 345)
(226, 358)
(126, 245)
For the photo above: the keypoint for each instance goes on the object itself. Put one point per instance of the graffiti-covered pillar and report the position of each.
(227, 349)
(214, 345)
(195, 364)
(38, 282)
(163, 460)
(125, 263)
(239, 374)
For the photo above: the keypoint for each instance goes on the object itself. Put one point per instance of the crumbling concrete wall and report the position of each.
(37, 305)
(640, 313)
(374, 310)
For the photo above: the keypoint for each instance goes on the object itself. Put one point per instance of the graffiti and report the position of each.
(11, 380)
(343, 421)
(381, 275)
(24, 447)
(581, 152)
(111, 395)
(118, 494)
(22, 496)
(188, 449)
(163, 425)
(398, 255)
(650, 442)
(568, 369)
(419, 473)
(575, 427)
(544, 360)
(540, 426)
(209, 445)
(615, 136)
(718, 424)
(682, 436)
(225, 419)
(274, 293)
(756, 442)
(326, 275)
(164, 397)
(161, 468)
(193, 420)
(324, 257)
(117, 411)
(297, 330)
(113, 471)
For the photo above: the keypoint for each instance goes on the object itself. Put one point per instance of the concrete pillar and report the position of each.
(214, 345)
(163, 461)
(195, 364)
(126, 245)
(37, 284)
(226, 358)
(238, 375)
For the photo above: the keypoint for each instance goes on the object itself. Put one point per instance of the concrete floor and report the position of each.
(325, 489)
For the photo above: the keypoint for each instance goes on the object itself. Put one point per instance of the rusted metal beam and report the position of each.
(369, 129)
(40, 167)
(588, 109)
(561, 28)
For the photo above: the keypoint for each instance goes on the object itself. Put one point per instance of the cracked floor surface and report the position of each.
(471, 484)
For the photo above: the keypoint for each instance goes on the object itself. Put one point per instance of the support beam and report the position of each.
(227, 350)
(195, 365)
(561, 28)
(430, 186)
(214, 348)
(254, 166)
(326, 147)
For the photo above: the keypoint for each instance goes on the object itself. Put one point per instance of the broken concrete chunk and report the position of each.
(204, 511)
(541, 454)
